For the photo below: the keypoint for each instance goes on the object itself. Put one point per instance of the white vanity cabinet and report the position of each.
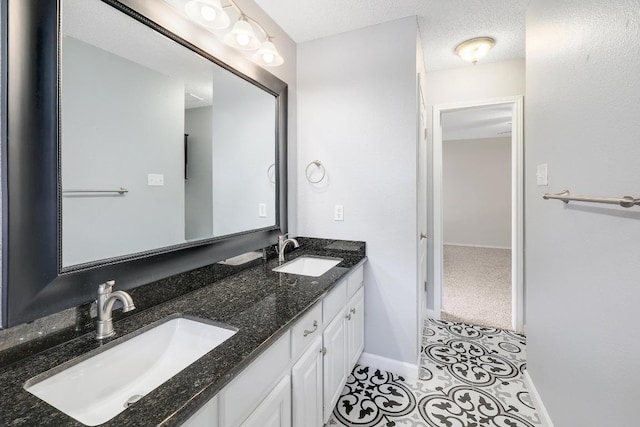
(306, 378)
(343, 337)
(335, 365)
(297, 381)
(207, 416)
(355, 327)
(275, 409)
(251, 387)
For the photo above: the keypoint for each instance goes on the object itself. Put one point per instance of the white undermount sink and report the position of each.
(308, 266)
(98, 386)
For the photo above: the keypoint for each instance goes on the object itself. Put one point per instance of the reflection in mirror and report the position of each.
(190, 142)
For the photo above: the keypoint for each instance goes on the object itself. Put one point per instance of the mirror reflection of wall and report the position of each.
(120, 121)
(129, 96)
(199, 177)
(243, 133)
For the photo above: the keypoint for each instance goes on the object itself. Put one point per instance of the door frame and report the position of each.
(517, 203)
(422, 214)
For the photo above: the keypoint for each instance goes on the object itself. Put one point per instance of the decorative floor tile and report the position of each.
(470, 376)
(372, 397)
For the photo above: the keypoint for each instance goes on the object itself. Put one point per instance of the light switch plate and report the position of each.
(542, 177)
(155, 179)
(262, 210)
(338, 213)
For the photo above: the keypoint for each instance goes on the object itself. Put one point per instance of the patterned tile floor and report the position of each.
(470, 376)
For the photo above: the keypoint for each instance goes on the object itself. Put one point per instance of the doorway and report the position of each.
(476, 242)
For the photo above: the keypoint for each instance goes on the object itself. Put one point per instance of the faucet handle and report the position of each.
(106, 287)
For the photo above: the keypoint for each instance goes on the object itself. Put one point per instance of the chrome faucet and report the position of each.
(282, 244)
(106, 299)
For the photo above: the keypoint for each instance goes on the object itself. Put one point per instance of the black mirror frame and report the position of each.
(34, 284)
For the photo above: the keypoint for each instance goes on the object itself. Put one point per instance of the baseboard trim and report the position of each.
(407, 370)
(537, 401)
(478, 246)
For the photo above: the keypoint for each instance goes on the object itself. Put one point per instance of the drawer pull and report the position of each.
(315, 328)
(353, 310)
(323, 350)
(348, 317)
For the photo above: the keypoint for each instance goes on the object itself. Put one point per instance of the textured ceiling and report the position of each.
(492, 121)
(443, 23)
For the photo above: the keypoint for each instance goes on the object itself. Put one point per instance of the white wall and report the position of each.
(357, 114)
(477, 192)
(583, 260)
(198, 187)
(480, 82)
(106, 147)
(243, 149)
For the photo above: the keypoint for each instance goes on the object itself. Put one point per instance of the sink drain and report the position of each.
(133, 399)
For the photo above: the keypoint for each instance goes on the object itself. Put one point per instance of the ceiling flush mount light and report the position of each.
(208, 13)
(242, 36)
(475, 49)
(267, 55)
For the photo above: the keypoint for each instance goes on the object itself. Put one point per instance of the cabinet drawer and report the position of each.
(334, 302)
(252, 385)
(354, 281)
(306, 330)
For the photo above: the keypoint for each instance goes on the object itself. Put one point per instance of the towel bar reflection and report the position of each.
(566, 197)
(120, 191)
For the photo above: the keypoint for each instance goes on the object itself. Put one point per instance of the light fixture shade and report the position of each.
(208, 13)
(267, 55)
(242, 36)
(475, 49)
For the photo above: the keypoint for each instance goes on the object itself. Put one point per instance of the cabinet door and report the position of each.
(207, 416)
(251, 386)
(306, 381)
(355, 327)
(275, 409)
(334, 362)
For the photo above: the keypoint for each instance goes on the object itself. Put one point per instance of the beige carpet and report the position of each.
(477, 286)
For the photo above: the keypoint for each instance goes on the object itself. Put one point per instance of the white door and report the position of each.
(517, 221)
(275, 409)
(306, 382)
(334, 365)
(355, 325)
(422, 213)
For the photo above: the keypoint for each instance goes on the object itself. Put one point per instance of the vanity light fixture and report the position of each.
(208, 13)
(242, 36)
(212, 15)
(475, 49)
(267, 55)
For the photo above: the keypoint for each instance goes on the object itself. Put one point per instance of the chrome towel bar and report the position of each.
(119, 191)
(566, 197)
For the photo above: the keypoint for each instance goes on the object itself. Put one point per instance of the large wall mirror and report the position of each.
(141, 156)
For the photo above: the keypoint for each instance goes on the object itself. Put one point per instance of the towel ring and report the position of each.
(273, 165)
(318, 164)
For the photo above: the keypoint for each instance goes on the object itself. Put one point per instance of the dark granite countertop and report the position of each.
(262, 304)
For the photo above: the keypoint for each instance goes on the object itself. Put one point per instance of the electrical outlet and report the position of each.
(155, 179)
(262, 210)
(338, 213)
(542, 178)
